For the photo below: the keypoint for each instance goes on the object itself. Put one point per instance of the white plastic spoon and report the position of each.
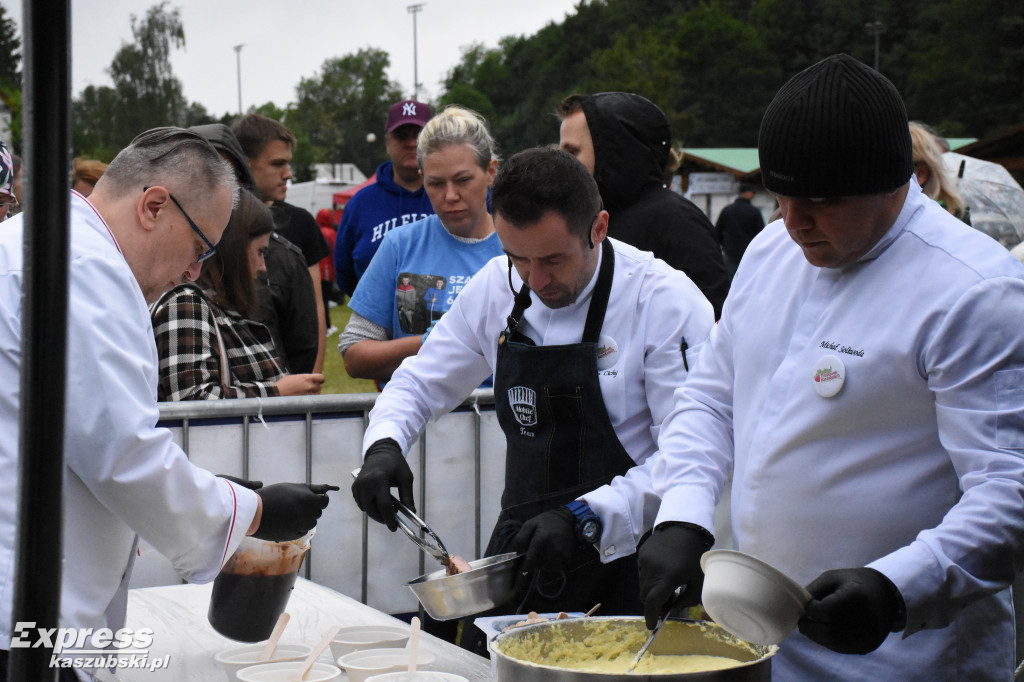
(414, 642)
(268, 650)
(300, 674)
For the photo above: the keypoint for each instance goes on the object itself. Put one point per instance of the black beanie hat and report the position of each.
(838, 128)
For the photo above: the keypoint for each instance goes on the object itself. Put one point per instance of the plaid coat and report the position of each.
(190, 364)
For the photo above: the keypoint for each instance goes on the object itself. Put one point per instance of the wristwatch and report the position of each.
(588, 524)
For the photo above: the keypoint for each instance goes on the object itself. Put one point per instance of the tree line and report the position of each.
(711, 65)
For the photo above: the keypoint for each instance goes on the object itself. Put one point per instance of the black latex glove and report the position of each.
(670, 558)
(290, 510)
(852, 610)
(547, 540)
(383, 467)
(251, 485)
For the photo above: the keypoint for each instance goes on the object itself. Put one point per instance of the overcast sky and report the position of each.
(287, 40)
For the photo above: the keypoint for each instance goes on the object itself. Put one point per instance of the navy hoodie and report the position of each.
(368, 216)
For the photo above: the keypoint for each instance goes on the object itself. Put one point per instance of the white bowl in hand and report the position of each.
(749, 598)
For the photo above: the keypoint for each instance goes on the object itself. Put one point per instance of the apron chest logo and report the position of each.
(523, 402)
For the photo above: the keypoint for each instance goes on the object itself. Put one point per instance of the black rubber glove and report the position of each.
(668, 559)
(251, 485)
(383, 467)
(547, 540)
(290, 510)
(852, 610)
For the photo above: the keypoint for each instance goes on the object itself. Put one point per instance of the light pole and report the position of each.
(238, 63)
(875, 28)
(414, 10)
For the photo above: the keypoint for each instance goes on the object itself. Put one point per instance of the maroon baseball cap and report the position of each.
(407, 111)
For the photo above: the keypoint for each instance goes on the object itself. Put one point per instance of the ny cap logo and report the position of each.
(409, 109)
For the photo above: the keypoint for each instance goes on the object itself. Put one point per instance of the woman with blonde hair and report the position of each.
(458, 159)
(935, 179)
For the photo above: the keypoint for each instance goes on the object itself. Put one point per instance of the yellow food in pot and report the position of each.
(606, 648)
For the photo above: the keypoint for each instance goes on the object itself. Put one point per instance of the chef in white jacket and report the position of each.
(865, 386)
(124, 477)
(587, 339)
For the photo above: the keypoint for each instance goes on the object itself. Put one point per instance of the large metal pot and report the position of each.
(520, 653)
(489, 583)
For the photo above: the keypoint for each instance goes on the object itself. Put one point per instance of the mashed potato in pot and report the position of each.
(609, 646)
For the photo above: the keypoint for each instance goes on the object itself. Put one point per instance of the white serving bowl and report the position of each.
(492, 626)
(362, 665)
(234, 659)
(749, 598)
(359, 637)
(279, 672)
(418, 676)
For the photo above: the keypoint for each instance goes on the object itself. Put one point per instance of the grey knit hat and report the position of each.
(838, 128)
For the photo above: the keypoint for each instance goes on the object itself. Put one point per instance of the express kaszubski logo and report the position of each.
(90, 649)
(523, 402)
(825, 374)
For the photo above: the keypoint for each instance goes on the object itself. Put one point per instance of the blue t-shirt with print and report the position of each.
(416, 274)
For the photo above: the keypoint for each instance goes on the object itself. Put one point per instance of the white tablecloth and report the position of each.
(177, 617)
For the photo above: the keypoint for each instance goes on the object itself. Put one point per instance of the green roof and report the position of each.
(743, 160)
(957, 142)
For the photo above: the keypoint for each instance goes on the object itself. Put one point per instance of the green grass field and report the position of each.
(336, 379)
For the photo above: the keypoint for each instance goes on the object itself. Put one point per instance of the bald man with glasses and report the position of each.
(154, 216)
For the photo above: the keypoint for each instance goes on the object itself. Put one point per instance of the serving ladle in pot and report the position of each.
(418, 531)
(672, 608)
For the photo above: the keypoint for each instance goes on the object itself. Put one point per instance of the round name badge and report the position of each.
(607, 352)
(829, 376)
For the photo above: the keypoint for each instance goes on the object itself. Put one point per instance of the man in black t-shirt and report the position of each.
(268, 146)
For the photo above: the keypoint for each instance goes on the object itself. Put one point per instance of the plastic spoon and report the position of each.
(268, 650)
(300, 674)
(414, 642)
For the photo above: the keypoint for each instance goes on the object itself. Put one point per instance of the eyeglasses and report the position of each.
(9, 200)
(210, 248)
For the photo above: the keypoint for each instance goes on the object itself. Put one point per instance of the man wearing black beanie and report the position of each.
(865, 389)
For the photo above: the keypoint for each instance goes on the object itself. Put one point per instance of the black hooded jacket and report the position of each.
(631, 139)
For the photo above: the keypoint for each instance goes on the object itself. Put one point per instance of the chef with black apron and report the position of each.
(587, 338)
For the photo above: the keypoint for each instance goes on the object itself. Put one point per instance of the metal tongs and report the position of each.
(418, 531)
(429, 542)
(673, 608)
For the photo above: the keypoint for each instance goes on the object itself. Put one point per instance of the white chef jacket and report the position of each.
(651, 310)
(916, 466)
(123, 476)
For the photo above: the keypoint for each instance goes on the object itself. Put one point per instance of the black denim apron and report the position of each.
(560, 445)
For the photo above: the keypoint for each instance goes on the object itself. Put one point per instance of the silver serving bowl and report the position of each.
(523, 654)
(490, 582)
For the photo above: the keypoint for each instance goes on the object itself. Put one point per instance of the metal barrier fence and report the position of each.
(318, 439)
(227, 436)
